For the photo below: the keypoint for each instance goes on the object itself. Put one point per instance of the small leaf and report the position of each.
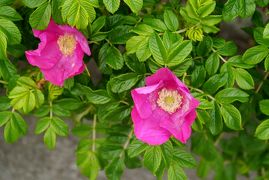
(231, 116)
(184, 159)
(153, 158)
(50, 138)
(212, 64)
(112, 5)
(157, 49)
(170, 19)
(123, 82)
(59, 126)
(266, 32)
(135, 148)
(255, 54)
(215, 123)
(262, 131)
(135, 5)
(175, 172)
(244, 79)
(230, 95)
(9, 13)
(264, 106)
(40, 18)
(42, 125)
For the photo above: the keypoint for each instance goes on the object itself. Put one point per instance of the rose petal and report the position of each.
(148, 130)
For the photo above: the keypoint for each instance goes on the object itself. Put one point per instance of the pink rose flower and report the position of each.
(163, 108)
(60, 52)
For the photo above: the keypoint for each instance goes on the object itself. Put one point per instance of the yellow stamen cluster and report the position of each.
(67, 44)
(169, 100)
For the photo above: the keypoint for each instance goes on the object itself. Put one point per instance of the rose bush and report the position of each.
(164, 84)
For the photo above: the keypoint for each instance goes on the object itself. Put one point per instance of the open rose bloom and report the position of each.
(60, 52)
(163, 108)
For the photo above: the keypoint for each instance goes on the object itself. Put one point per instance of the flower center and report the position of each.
(67, 44)
(169, 100)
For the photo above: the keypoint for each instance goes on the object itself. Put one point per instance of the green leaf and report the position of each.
(133, 64)
(175, 172)
(183, 158)
(5, 116)
(15, 128)
(11, 31)
(265, 31)
(4, 103)
(112, 56)
(82, 130)
(157, 49)
(135, 148)
(215, 82)
(212, 64)
(170, 19)
(87, 161)
(247, 8)
(33, 3)
(143, 30)
(124, 82)
(50, 138)
(115, 168)
(75, 10)
(178, 54)
(264, 106)
(98, 24)
(198, 76)
(112, 5)
(59, 126)
(3, 45)
(153, 158)
(167, 152)
(9, 13)
(255, 54)
(266, 63)
(40, 18)
(42, 125)
(262, 131)
(231, 117)
(135, 5)
(215, 123)
(156, 24)
(244, 79)
(230, 95)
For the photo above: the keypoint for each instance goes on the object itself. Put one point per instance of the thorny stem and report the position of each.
(261, 83)
(126, 144)
(93, 133)
(222, 58)
(87, 70)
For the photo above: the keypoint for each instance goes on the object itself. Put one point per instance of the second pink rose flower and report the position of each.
(163, 108)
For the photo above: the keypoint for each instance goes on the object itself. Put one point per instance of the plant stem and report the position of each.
(93, 133)
(50, 104)
(202, 92)
(222, 58)
(87, 70)
(3, 82)
(126, 144)
(261, 83)
(181, 30)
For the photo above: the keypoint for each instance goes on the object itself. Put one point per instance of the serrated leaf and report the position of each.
(123, 82)
(229, 95)
(175, 172)
(112, 5)
(42, 125)
(244, 79)
(135, 148)
(215, 123)
(59, 126)
(184, 159)
(157, 49)
(11, 31)
(135, 5)
(33, 3)
(3, 45)
(40, 18)
(170, 19)
(9, 13)
(153, 158)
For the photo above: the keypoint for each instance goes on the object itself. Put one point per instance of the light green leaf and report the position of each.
(175, 172)
(230, 95)
(157, 49)
(59, 126)
(33, 3)
(50, 138)
(170, 19)
(135, 5)
(244, 79)
(136, 147)
(3, 45)
(40, 18)
(264, 106)
(255, 54)
(231, 117)
(184, 159)
(153, 158)
(265, 31)
(42, 125)
(5, 116)
(112, 5)
(262, 131)
(11, 31)
(9, 13)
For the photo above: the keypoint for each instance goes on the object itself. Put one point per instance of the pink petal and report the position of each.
(67, 67)
(167, 76)
(47, 54)
(180, 128)
(145, 99)
(148, 130)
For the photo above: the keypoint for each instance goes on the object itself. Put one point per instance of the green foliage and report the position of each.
(130, 40)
